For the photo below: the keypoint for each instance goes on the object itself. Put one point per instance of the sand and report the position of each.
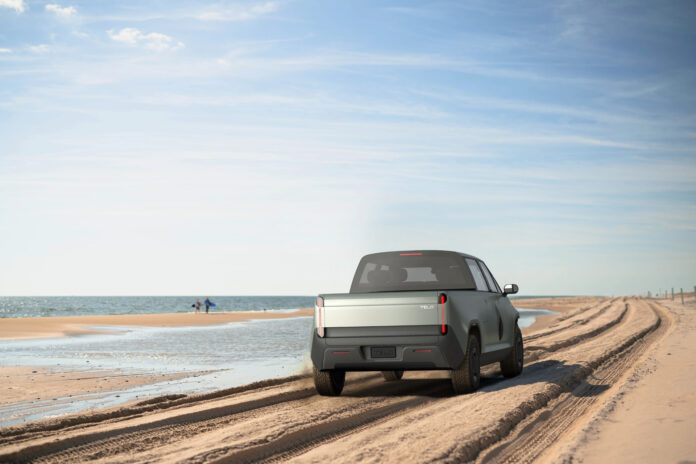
(650, 416)
(578, 363)
(44, 327)
(28, 384)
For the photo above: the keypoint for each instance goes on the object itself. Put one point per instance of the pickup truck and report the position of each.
(416, 310)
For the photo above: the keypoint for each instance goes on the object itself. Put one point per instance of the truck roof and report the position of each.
(402, 252)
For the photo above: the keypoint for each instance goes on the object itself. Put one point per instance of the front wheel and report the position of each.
(390, 376)
(329, 383)
(512, 365)
(467, 377)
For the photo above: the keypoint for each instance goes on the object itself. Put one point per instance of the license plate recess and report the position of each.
(383, 352)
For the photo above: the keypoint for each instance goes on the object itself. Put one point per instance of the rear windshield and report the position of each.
(404, 271)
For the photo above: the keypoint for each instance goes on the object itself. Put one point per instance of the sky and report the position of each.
(263, 147)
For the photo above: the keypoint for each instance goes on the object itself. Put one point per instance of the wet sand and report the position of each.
(577, 362)
(27, 384)
(48, 327)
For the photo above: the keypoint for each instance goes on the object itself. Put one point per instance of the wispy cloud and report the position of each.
(62, 12)
(5, 50)
(154, 41)
(41, 48)
(238, 12)
(17, 5)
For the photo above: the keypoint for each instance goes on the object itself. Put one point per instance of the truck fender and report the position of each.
(475, 327)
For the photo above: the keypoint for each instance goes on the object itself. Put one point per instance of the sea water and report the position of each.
(210, 357)
(49, 306)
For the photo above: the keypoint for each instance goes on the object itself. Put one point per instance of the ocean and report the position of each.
(51, 306)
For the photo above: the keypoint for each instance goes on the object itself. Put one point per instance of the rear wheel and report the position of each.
(512, 365)
(467, 377)
(329, 383)
(390, 376)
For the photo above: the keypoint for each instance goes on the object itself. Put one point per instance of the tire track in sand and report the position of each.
(577, 318)
(142, 437)
(298, 441)
(540, 430)
(535, 352)
(13, 434)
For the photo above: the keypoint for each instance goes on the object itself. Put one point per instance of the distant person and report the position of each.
(208, 304)
(197, 305)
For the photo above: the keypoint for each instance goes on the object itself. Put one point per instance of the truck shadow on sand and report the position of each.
(569, 377)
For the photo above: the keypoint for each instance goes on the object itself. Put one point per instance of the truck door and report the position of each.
(503, 307)
(488, 313)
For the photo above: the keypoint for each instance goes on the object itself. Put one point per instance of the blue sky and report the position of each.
(262, 147)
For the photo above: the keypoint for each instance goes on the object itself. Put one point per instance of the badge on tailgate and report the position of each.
(383, 352)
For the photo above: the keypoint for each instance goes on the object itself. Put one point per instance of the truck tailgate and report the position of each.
(379, 310)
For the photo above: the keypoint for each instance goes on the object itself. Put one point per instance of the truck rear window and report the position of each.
(410, 271)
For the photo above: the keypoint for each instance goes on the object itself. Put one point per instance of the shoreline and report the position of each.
(22, 328)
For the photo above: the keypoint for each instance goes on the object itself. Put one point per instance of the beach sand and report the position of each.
(605, 380)
(650, 415)
(37, 384)
(45, 327)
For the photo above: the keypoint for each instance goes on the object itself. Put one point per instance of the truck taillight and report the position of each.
(443, 300)
(320, 309)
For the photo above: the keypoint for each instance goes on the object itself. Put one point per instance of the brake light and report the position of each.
(410, 254)
(320, 302)
(443, 300)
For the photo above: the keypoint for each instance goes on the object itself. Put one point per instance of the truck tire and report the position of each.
(390, 376)
(329, 383)
(467, 377)
(513, 363)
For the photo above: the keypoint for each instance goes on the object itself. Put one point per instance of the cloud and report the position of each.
(239, 13)
(17, 5)
(127, 35)
(62, 12)
(5, 50)
(154, 41)
(41, 48)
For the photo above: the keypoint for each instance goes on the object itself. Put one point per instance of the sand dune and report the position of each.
(577, 363)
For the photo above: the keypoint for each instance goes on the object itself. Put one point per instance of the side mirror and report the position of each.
(510, 289)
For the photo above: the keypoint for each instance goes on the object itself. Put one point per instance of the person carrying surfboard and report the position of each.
(208, 304)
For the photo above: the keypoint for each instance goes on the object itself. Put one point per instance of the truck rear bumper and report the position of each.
(415, 352)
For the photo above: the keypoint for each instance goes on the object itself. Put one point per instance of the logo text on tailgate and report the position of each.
(427, 306)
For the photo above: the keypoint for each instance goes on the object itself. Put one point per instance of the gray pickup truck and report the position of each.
(416, 310)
